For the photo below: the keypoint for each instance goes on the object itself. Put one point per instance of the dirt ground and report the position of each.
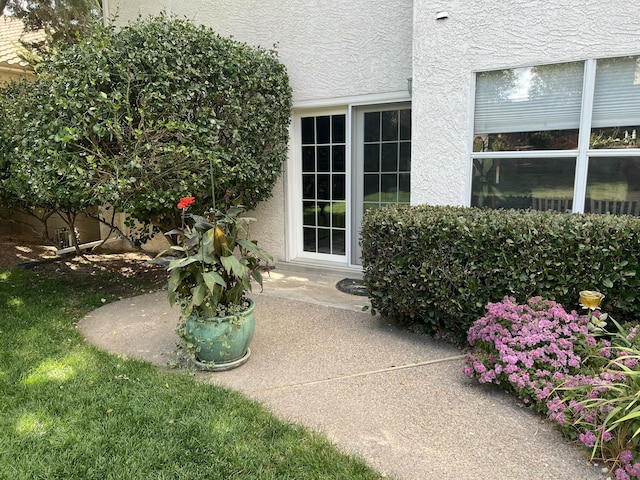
(28, 252)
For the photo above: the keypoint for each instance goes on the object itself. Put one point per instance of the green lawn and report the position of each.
(70, 411)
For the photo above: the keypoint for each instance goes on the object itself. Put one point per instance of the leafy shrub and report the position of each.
(440, 265)
(137, 117)
(589, 383)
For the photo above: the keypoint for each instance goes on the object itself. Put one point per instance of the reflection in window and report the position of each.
(525, 113)
(523, 141)
(542, 184)
(324, 184)
(532, 108)
(613, 186)
(616, 137)
(615, 119)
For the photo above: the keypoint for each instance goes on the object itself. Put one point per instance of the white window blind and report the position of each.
(529, 99)
(616, 101)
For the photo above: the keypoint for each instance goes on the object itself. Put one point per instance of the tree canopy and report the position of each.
(136, 118)
(61, 20)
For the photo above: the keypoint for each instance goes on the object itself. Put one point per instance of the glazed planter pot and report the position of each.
(222, 342)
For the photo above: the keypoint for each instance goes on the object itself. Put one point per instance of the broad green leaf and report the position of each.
(232, 265)
(182, 262)
(630, 416)
(253, 248)
(199, 293)
(212, 279)
(257, 276)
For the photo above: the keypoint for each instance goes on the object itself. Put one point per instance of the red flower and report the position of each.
(186, 202)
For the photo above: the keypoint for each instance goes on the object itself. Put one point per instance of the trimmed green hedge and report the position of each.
(441, 265)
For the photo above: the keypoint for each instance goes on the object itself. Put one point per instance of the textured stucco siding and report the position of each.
(331, 49)
(269, 229)
(12, 74)
(485, 35)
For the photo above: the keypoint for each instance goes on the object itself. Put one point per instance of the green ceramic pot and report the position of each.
(222, 341)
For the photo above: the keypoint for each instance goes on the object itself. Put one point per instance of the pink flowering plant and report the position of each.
(607, 415)
(567, 366)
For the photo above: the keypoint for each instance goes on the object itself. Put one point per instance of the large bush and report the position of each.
(136, 118)
(440, 265)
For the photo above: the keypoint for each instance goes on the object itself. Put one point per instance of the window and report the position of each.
(559, 137)
(387, 157)
(324, 184)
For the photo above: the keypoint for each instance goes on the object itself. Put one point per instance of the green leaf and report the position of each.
(212, 279)
(199, 293)
(253, 248)
(257, 276)
(182, 262)
(630, 416)
(232, 265)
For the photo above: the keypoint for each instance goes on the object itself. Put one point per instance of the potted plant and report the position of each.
(209, 279)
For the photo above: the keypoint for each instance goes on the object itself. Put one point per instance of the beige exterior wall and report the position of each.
(269, 229)
(9, 74)
(487, 35)
(17, 223)
(157, 244)
(12, 67)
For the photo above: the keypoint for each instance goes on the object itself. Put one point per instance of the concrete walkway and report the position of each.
(397, 399)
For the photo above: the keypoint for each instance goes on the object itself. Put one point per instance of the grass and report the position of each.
(70, 411)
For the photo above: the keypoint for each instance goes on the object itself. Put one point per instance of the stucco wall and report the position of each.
(485, 35)
(8, 74)
(331, 49)
(269, 229)
(13, 222)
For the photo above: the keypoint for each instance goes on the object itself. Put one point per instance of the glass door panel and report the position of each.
(386, 157)
(383, 162)
(324, 184)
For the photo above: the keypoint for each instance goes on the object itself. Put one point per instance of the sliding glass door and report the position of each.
(382, 168)
(347, 161)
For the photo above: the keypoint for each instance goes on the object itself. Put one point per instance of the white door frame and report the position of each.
(295, 248)
(293, 176)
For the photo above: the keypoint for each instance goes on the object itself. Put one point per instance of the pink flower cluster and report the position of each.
(529, 346)
(533, 349)
(627, 470)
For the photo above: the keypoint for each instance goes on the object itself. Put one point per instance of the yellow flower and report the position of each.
(590, 299)
(219, 240)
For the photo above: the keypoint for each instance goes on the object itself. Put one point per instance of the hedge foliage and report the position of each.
(441, 265)
(135, 118)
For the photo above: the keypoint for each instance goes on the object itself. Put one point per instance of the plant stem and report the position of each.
(213, 192)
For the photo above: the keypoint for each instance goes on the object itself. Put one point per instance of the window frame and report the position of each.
(581, 154)
(294, 235)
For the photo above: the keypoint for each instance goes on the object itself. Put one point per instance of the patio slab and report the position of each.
(397, 399)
